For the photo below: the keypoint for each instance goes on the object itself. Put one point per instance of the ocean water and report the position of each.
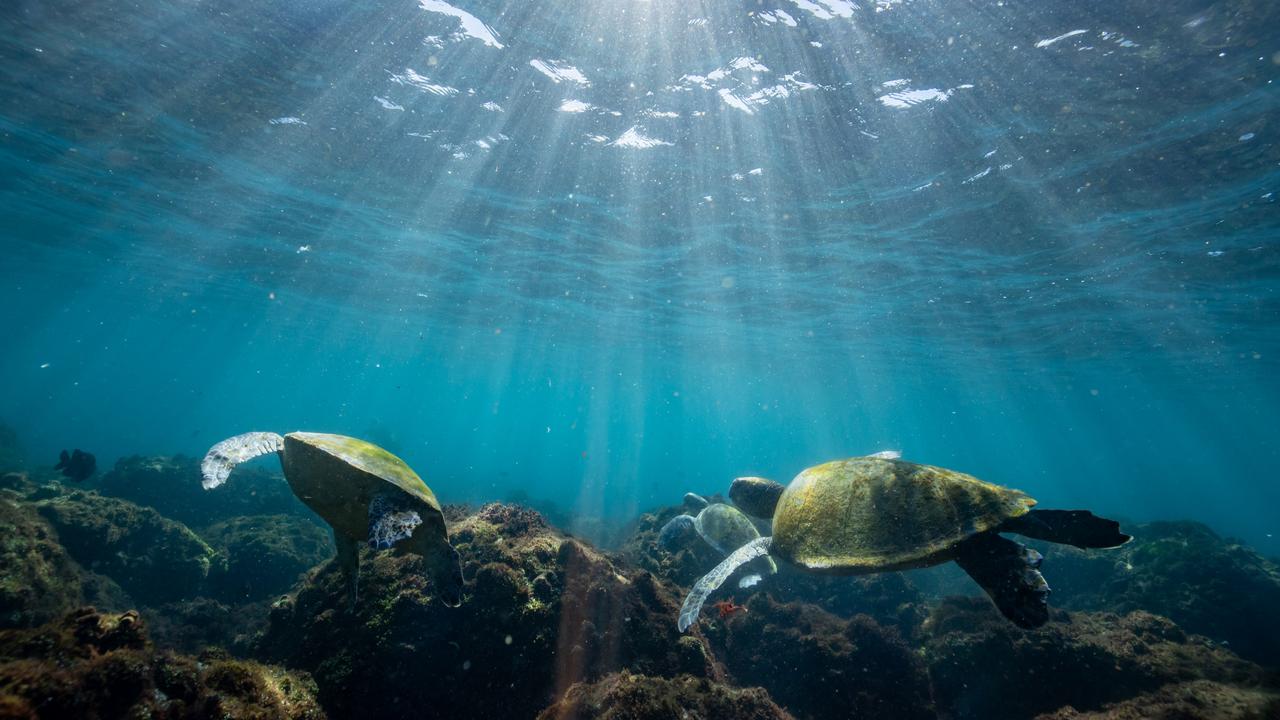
(601, 254)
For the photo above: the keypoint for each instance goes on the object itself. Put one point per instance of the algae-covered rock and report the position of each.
(1184, 571)
(154, 559)
(265, 554)
(172, 486)
(38, 580)
(90, 665)
(195, 625)
(817, 665)
(541, 612)
(624, 696)
(1197, 700)
(1084, 660)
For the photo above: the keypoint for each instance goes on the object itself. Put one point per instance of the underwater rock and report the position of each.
(172, 486)
(92, 665)
(195, 625)
(38, 580)
(817, 665)
(639, 697)
(156, 560)
(1198, 700)
(541, 612)
(890, 598)
(1185, 572)
(18, 483)
(1084, 660)
(265, 554)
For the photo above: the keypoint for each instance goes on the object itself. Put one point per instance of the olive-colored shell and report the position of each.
(867, 514)
(338, 476)
(724, 527)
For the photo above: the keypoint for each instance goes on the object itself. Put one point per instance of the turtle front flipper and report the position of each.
(1009, 573)
(1080, 528)
(226, 455)
(391, 519)
(714, 579)
(756, 496)
(349, 564)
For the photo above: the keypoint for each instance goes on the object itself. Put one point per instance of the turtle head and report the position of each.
(677, 533)
(756, 496)
(441, 562)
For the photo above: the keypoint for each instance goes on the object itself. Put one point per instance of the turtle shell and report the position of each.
(724, 527)
(865, 515)
(338, 476)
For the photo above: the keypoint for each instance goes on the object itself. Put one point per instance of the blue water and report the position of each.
(604, 253)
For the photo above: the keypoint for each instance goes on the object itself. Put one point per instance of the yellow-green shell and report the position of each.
(725, 528)
(338, 476)
(866, 514)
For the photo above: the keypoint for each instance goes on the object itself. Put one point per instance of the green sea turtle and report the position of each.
(722, 526)
(878, 513)
(361, 490)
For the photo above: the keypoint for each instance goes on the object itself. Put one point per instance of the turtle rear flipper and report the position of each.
(714, 579)
(226, 455)
(1080, 528)
(1009, 574)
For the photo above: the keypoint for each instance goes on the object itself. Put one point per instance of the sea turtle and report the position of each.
(361, 490)
(878, 513)
(722, 526)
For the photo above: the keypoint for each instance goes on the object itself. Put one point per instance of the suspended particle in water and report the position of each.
(507, 640)
(466, 664)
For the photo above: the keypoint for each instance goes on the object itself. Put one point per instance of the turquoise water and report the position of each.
(604, 253)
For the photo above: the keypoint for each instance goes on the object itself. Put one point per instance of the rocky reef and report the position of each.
(243, 613)
(38, 579)
(542, 612)
(1184, 571)
(639, 697)
(90, 665)
(819, 665)
(1081, 660)
(156, 560)
(1196, 700)
(265, 554)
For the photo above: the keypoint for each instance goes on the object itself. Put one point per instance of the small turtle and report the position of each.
(361, 490)
(878, 513)
(722, 526)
